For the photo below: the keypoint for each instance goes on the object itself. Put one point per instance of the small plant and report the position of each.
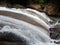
(39, 1)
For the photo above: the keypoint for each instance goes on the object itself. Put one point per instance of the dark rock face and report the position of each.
(55, 33)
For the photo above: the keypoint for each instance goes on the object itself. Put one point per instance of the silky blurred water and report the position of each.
(34, 35)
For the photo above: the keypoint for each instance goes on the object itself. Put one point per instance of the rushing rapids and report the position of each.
(27, 26)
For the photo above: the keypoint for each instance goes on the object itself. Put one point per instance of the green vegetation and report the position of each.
(40, 1)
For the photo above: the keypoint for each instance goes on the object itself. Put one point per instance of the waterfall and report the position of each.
(24, 30)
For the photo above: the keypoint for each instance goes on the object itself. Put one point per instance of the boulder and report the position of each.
(35, 6)
(51, 9)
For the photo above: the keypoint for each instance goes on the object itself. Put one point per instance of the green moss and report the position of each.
(38, 1)
(41, 1)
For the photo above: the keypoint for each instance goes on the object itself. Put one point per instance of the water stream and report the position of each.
(23, 30)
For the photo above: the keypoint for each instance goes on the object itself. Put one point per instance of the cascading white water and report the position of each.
(33, 34)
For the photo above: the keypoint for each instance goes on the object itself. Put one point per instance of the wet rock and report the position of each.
(55, 32)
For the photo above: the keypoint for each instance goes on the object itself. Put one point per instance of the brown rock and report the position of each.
(35, 6)
(51, 9)
(18, 6)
